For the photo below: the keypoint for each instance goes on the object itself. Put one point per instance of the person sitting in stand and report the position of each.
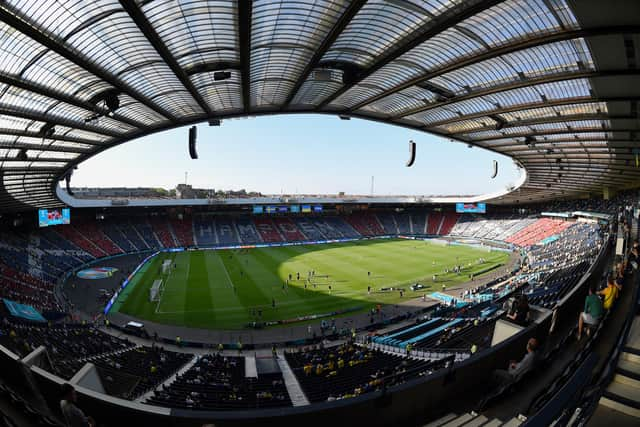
(592, 313)
(610, 293)
(73, 415)
(520, 312)
(517, 369)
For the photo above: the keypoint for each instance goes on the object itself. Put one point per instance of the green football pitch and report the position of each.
(226, 289)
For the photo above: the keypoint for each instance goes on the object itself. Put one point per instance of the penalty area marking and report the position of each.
(166, 283)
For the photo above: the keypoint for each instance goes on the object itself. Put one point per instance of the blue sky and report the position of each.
(312, 154)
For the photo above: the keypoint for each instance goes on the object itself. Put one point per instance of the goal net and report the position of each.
(155, 291)
(166, 266)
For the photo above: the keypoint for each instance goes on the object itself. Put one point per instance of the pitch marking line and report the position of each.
(165, 286)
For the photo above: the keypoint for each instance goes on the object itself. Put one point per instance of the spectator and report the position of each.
(634, 258)
(520, 312)
(619, 275)
(610, 293)
(517, 369)
(73, 416)
(592, 311)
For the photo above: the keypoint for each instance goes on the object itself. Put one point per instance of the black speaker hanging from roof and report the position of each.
(412, 154)
(495, 169)
(192, 142)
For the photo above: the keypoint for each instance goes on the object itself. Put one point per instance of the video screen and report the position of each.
(294, 208)
(471, 207)
(317, 208)
(258, 209)
(47, 217)
(306, 208)
(282, 209)
(270, 209)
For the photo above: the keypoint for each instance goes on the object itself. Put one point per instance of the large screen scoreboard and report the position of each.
(47, 217)
(275, 209)
(471, 207)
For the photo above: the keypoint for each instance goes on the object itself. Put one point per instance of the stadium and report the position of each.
(190, 307)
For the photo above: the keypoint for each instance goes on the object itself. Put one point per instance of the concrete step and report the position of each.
(442, 420)
(628, 372)
(629, 368)
(477, 421)
(459, 420)
(631, 357)
(621, 378)
(493, 423)
(622, 397)
(620, 407)
(296, 394)
(633, 340)
(513, 422)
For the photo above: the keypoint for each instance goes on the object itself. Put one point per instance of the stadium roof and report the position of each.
(553, 83)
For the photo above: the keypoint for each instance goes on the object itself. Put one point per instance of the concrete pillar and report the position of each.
(608, 193)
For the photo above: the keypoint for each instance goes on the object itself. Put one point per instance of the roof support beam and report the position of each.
(520, 44)
(44, 91)
(245, 8)
(13, 18)
(518, 84)
(535, 105)
(13, 132)
(19, 146)
(575, 131)
(432, 29)
(39, 117)
(150, 33)
(559, 142)
(351, 11)
(34, 159)
(546, 120)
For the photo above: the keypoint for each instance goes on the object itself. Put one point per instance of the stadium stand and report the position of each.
(539, 230)
(348, 370)
(267, 230)
(147, 366)
(366, 224)
(91, 231)
(288, 230)
(161, 229)
(129, 233)
(308, 227)
(334, 227)
(419, 222)
(183, 230)
(216, 381)
(144, 230)
(204, 231)
(112, 231)
(434, 223)
(388, 223)
(79, 240)
(247, 230)
(226, 230)
(448, 222)
(404, 224)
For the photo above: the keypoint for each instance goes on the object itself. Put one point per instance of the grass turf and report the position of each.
(220, 289)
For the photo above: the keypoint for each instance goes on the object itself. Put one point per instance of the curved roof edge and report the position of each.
(104, 203)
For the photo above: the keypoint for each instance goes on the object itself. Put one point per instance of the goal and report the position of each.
(166, 266)
(155, 291)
